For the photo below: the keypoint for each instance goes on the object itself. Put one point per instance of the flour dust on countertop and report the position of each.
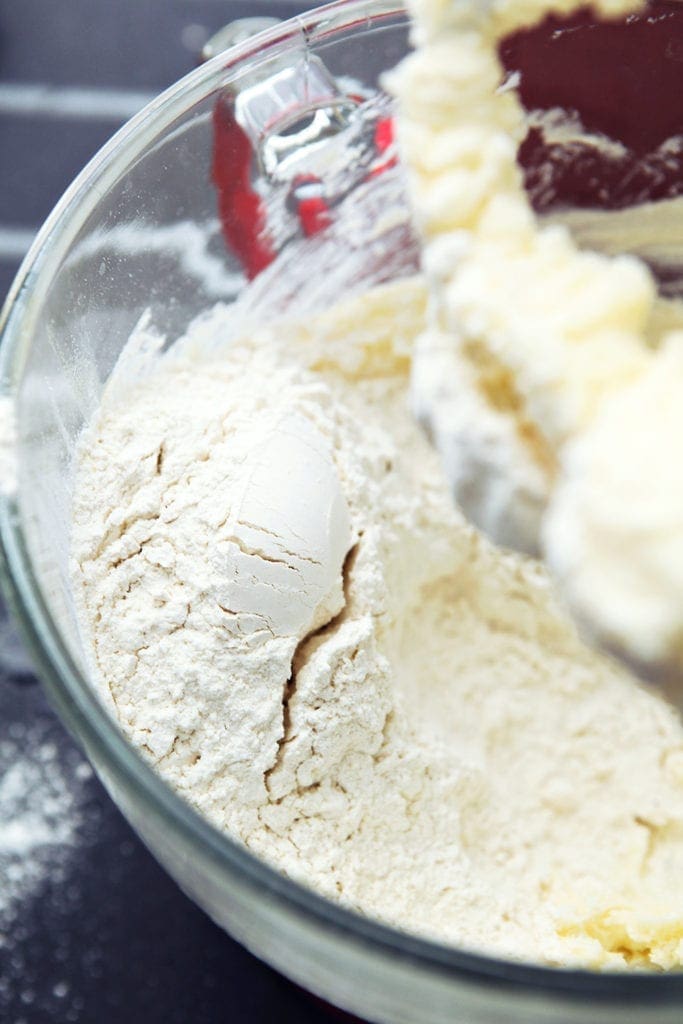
(47, 820)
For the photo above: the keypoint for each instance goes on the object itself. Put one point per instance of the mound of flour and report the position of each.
(295, 625)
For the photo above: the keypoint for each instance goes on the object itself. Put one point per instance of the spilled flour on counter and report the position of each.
(40, 815)
(303, 635)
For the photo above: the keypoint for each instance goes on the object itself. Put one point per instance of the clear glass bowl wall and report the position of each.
(110, 251)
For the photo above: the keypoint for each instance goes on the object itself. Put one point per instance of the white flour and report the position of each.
(307, 640)
(39, 817)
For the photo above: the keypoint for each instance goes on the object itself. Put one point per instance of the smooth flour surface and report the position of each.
(303, 635)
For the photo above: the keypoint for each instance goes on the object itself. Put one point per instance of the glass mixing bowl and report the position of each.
(136, 231)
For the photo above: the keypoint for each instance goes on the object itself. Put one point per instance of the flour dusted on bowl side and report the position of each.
(301, 633)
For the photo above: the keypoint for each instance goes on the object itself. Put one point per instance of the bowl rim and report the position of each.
(76, 699)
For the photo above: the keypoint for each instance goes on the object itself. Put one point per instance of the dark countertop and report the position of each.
(106, 937)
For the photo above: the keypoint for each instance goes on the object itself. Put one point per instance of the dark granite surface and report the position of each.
(106, 936)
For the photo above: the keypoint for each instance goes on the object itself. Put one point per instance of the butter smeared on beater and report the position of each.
(553, 350)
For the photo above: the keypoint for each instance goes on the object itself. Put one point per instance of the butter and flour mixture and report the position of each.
(292, 621)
